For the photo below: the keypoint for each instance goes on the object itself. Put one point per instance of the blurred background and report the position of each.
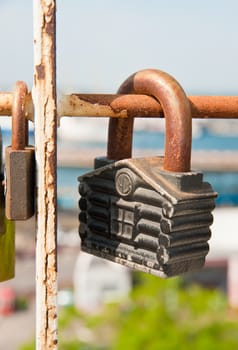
(99, 44)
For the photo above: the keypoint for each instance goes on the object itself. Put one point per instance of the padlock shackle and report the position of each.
(19, 122)
(177, 111)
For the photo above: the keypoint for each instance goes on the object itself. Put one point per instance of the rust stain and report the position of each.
(131, 105)
(101, 99)
(52, 172)
(40, 70)
(50, 29)
(50, 21)
(72, 101)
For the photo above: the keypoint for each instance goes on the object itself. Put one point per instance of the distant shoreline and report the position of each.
(201, 160)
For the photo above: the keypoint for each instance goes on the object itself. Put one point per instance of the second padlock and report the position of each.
(20, 163)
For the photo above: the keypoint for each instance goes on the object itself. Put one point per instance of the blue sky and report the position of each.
(101, 42)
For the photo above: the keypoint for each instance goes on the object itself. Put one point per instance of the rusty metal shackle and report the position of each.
(177, 111)
(19, 122)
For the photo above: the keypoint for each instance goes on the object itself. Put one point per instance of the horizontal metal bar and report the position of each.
(124, 106)
(6, 100)
(143, 106)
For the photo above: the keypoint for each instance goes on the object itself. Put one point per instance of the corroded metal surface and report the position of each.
(6, 99)
(124, 106)
(44, 97)
(177, 111)
(6, 105)
(220, 107)
(18, 117)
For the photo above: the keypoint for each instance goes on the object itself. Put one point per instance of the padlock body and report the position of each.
(135, 213)
(7, 241)
(20, 183)
(7, 251)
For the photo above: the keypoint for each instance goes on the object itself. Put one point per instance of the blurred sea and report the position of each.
(225, 183)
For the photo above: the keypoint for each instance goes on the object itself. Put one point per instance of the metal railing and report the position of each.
(42, 108)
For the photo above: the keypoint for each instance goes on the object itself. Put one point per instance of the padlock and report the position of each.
(7, 233)
(151, 214)
(7, 250)
(20, 163)
(2, 195)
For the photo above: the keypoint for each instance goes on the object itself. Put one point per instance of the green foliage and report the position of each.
(30, 346)
(21, 304)
(158, 314)
(161, 314)
(74, 345)
(66, 315)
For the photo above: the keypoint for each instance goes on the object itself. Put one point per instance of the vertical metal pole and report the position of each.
(44, 98)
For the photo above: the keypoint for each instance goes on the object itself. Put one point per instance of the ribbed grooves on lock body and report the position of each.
(95, 206)
(185, 222)
(188, 207)
(181, 253)
(102, 185)
(94, 213)
(143, 240)
(184, 236)
(151, 213)
(124, 228)
(147, 196)
(99, 199)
